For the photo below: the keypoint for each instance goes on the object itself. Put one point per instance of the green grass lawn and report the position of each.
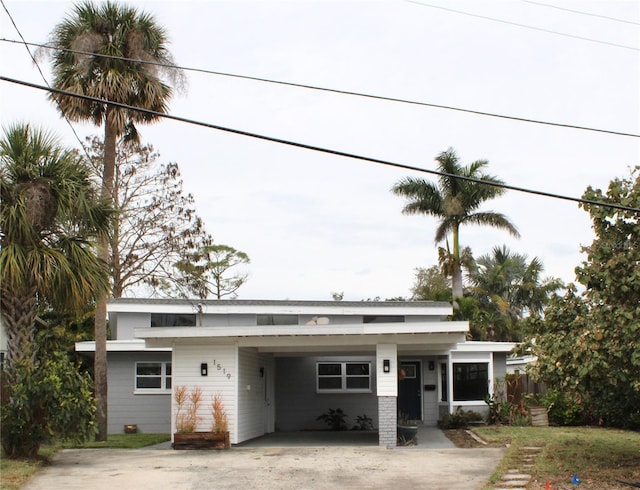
(14, 473)
(598, 456)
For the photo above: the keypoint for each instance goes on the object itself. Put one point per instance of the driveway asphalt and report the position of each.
(293, 465)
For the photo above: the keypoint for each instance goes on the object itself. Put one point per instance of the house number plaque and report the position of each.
(219, 367)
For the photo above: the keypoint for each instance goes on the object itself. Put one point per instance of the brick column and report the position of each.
(387, 421)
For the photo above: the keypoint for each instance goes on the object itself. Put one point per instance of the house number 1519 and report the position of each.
(220, 368)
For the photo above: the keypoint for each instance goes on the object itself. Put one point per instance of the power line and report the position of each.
(35, 62)
(548, 31)
(582, 12)
(338, 91)
(321, 149)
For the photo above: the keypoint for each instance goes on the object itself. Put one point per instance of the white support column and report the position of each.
(387, 391)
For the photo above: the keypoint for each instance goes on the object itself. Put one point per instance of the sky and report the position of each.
(314, 223)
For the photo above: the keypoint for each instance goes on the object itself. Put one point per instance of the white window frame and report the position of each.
(343, 377)
(164, 377)
(464, 358)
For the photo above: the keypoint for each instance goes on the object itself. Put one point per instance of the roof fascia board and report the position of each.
(304, 331)
(437, 309)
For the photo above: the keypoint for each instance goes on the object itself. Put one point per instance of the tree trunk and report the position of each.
(100, 360)
(456, 274)
(19, 316)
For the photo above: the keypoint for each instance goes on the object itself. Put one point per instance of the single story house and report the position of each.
(280, 364)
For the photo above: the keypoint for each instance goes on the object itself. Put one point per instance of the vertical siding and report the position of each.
(150, 412)
(387, 383)
(222, 378)
(250, 395)
(430, 413)
(298, 404)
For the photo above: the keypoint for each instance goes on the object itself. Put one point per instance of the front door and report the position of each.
(409, 392)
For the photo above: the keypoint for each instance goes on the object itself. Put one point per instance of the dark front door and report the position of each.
(409, 383)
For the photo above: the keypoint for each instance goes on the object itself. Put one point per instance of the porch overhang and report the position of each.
(410, 337)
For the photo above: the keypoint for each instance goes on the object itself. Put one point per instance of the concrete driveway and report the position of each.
(267, 467)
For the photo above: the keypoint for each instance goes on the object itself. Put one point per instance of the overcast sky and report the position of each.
(313, 223)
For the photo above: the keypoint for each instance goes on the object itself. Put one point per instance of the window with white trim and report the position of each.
(343, 377)
(153, 376)
(470, 381)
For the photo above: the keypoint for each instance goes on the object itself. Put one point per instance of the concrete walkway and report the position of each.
(268, 467)
(427, 438)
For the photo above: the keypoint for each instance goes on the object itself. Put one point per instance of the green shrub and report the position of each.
(45, 400)
(563, 408)
(335, 419)
(459, 419)
(363, 422)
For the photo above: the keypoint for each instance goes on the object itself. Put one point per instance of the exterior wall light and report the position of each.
(204, 369)
(386, 365)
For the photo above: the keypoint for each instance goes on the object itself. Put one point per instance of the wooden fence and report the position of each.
(520, 385)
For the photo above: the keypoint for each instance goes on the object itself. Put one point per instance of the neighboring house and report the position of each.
(518, 364)
(280, 364)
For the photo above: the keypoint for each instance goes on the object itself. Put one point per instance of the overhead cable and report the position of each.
(548, 31)
(581, 12)
(323, 150)
(35, 62)
(338, 91)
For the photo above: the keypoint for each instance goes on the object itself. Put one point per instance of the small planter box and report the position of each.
(201, 440)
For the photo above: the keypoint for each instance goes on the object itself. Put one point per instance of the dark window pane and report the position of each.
(167, 383)
(168, 369)
(329, 369)
(148, 369)
(471, 381)
(172, 320)
(443, 382)
(382, 319)
(277, 319)
(328, 383)
(358, 383)
(355, 369)
(150, 382)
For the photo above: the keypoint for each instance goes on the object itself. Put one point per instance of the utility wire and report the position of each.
(581, 12)
(321, 149)
(35, 62)
(548, 31)
(336, 91)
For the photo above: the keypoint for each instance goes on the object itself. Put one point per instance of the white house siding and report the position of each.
(297, 403)
(387, 383)
(251, 395)
(430, 413)
(222, 378)
(499, 365)
(150, 412)
(122, 325)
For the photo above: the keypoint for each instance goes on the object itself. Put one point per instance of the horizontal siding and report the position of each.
(222, 378)
(387, 383)
(298, 405)
(151, 413)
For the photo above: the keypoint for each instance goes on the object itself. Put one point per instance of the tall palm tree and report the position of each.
(49, 219)
(119, 31)
(510, 286)
(455, 202)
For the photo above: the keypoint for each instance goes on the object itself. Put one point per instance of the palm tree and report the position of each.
(510, 286)
(455, 202)
(120, 32)
(48, 220)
